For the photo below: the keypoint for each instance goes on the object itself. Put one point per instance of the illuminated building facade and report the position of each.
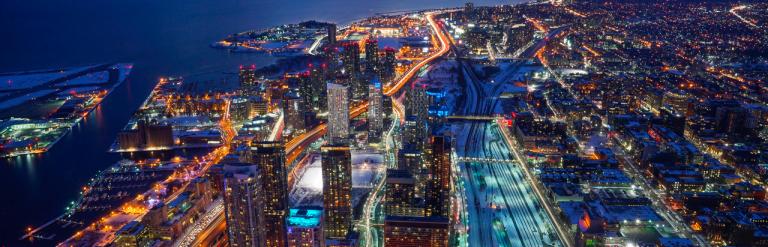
(337, 191)
(146, 136)
(350, 56)
(375, 112)
(270, 158)
(416, 231)
(248, 83)
(439, 184)
(371, 55)
(244, 205)
(338, 114)
(400, 198)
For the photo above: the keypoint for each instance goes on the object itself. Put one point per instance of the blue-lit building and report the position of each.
(304, 226)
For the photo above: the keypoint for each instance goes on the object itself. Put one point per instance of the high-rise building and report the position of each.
(417, 115)
(375, 112)
(416, 231)
(244, 204)
(387, 71)
(248, 83)
(351, 57)
(401, 194)
(409, 158)
(469, 10)
(371, 55)
(331, 33)
(270, 158)
(338, 114)
(337, 191)
(413, 136)
(294, 116)
(439, 184)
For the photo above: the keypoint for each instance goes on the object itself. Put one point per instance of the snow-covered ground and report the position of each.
(24, 80)
(308, 189)
(24, 98)
(87, 79)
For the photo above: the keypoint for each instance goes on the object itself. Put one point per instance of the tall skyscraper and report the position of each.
(338, 114)
(270, 158)
(371, 55)
(248, 83)
(244, 204)
(416, 117)
(439, 184)
(387, 71)
(375, 112)
(337, 191)
(331, 33)
(351, 57)
(294, 115)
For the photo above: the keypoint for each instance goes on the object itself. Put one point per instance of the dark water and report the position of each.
(161, 38)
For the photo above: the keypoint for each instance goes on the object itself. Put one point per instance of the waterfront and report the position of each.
(169, 38)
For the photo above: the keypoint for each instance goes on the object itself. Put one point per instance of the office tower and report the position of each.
(409, 158)
(244, 204)
(417, 102)
(412, 136)
(416, 117)
(439, 183)
(304, 228)
(270, 159)
(351, 58)
(387, 71)
(337, 191)
(359, 84)
(306, 93)
(375, 112)
(386, 103)
(248, 84)
(401, 194)
(338, 114)
(371, 55)
(331, 33)
(294, 116)
(416, 231)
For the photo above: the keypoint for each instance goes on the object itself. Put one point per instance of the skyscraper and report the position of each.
(439, 184)
(416, 117)
(351, 57)
(270, 158)
(371, 55)
(338, 114)
(331, 33)
(248, 83)
(244, 204)
(294, 116)
(337, 191)
(387, 71)
(375, 112)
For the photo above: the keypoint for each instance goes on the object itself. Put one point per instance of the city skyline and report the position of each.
(544, 123)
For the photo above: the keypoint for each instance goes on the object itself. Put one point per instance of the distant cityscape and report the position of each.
(563, 123)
